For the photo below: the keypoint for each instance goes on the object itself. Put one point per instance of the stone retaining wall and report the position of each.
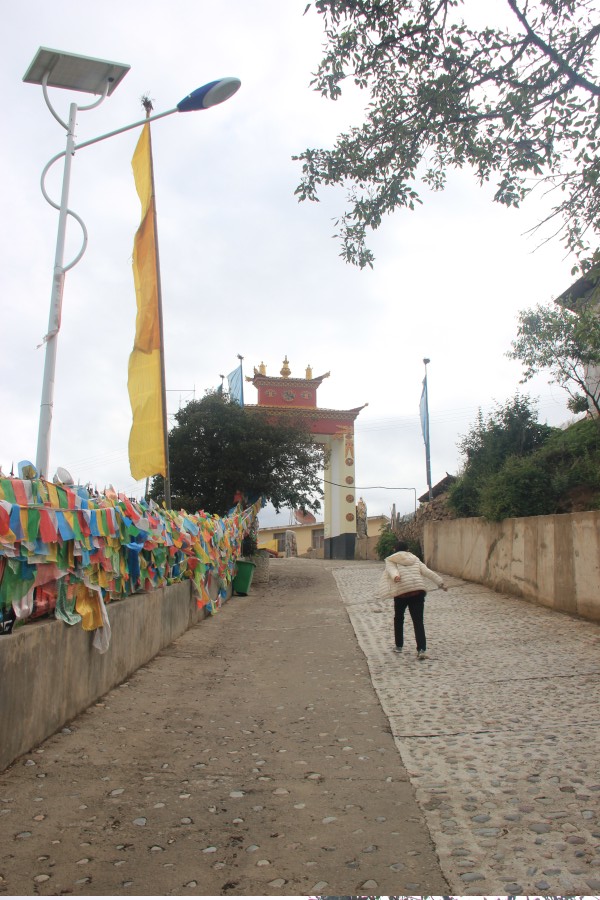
(551, 560)
(49, 671)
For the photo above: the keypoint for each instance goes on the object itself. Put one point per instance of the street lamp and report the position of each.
(55, 68)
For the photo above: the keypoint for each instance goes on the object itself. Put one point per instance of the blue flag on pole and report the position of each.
(423, 409)
(236, 385)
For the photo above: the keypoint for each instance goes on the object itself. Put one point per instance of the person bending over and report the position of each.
(403, 579)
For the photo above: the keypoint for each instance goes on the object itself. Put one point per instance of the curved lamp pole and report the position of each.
(53, 68)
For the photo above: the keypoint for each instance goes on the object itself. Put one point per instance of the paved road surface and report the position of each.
(251, 757)
(283, 748)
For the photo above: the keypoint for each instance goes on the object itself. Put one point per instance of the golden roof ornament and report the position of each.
(285, 369)
(309, 372)
(262, 369)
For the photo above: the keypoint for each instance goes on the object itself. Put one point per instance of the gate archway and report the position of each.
(332, 427)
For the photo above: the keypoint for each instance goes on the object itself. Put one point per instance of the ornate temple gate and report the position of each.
(335, 429)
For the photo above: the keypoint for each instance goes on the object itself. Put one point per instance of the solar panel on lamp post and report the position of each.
(55, 68)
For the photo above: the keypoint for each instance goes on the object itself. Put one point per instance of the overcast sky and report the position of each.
(245, 268)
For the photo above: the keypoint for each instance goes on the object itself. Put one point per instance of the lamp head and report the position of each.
(209, 94)
(426, 361)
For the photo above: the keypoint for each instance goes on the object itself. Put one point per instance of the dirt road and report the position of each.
(250, 758)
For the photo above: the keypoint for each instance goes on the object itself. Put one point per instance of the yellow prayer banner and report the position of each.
(87, 604)
(146, 440)
(53, 495)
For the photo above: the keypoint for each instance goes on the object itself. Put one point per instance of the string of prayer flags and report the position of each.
(62, 550)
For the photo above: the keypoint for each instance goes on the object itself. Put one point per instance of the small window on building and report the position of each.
(318, 538)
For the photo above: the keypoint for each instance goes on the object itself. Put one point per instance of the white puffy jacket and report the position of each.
(412, 573)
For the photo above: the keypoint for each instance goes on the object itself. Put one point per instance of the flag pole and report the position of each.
(147, 104)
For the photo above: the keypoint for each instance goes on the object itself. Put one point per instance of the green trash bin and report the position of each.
(243, 576)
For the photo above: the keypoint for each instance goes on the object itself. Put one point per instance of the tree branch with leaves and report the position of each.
(518, 103)
(567, 344)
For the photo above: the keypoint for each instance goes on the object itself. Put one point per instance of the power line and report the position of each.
(442, 417)
(373, 487)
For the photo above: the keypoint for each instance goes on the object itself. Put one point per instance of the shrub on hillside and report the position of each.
(542, 482)
(463, 497)
(386, 544)
(387, 541)
(571, 460)
(510, 430)
(520, 488)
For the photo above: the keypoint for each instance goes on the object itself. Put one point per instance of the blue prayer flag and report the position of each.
(236, 385)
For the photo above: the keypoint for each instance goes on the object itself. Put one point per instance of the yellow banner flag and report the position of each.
(146, 440)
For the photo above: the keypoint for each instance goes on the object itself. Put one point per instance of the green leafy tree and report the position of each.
(218, 450)
(517, 102)
(568, 345)
(511, 430)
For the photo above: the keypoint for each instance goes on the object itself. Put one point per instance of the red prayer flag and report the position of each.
(48, 533)
(20, 493)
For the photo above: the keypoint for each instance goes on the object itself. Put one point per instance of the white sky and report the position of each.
(245, 268)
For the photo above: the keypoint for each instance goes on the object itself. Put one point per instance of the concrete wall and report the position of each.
(49, 671)
(365, 547)
(551, 560)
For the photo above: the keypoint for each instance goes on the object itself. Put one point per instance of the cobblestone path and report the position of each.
(499, 731)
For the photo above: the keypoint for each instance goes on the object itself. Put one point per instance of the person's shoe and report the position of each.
(422, 654)
(398, 649)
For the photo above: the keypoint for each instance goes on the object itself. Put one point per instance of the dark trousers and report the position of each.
(416, 608)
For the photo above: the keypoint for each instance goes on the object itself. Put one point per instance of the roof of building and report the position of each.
(314, 412)
(580, 290)
(258, 378)
(440, 488)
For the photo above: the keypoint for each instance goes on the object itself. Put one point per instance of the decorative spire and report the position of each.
(285, 370)
(309, 372)
(262, 369)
